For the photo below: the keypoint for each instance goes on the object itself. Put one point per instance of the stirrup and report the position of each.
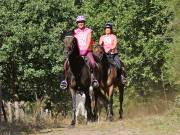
(63, 85)
(95, 83)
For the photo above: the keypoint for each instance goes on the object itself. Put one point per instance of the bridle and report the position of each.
(69, 49)
(100, 56)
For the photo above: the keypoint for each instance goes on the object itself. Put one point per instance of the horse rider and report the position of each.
(83, 35)
(109, 43)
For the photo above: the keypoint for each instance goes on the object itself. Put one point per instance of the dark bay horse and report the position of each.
(109, 80)
(78, 76)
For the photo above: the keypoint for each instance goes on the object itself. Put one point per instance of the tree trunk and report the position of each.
(2, 110)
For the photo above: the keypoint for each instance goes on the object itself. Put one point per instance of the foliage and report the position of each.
(31, 45)
(175, 45)
(31, 41)
(141, 27)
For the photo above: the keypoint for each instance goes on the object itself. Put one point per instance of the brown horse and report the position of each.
(78, 76)
(110, 79)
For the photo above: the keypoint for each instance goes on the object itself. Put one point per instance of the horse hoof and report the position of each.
(120, 117)
(110, 118)
(71, 126)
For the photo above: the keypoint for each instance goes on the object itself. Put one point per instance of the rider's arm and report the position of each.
(114, 43)
(89, 39)
(101, 41)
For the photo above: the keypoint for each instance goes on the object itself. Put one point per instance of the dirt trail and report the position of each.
(104, 128)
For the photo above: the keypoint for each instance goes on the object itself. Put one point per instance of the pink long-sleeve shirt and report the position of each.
(109, 42)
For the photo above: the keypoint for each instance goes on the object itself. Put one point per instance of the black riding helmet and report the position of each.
(108, 25)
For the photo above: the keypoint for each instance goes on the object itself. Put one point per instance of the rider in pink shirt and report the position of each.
(83, 36)
(109, 42)
(84, 39)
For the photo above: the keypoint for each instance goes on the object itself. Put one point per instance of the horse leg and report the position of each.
(92, 97)
(84, 113)
(73, 95)
(77, 113)
(110, 103)
(121, 96)
(99, 109)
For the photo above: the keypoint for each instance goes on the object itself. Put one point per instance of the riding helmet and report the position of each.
(80, 18)
(108, 25)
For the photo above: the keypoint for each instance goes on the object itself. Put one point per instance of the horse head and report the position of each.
(70, 45)
(99, 51)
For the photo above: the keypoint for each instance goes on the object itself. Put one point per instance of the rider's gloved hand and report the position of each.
(109, 52)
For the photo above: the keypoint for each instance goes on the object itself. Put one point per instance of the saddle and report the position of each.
(88, 62)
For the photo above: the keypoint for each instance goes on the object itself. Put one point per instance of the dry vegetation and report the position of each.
(159, 116)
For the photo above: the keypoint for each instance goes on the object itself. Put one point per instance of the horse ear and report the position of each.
(63, 34)
(69, 33)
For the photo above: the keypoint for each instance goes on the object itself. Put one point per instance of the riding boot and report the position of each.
(121, 69)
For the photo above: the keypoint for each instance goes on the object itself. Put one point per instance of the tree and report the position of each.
(31, 45)
(141, 27)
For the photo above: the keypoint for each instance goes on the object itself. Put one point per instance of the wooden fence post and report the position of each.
(9, 110)
(16, 110)
(21, 109)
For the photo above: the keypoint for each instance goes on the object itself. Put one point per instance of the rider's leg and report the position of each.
(121, 68)
(93, 66)
(117, 61)
(63, 84)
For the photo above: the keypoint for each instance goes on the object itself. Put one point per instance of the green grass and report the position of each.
(167, 124)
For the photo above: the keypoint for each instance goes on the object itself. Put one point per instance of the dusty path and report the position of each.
(155, 125)
(104, 128)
